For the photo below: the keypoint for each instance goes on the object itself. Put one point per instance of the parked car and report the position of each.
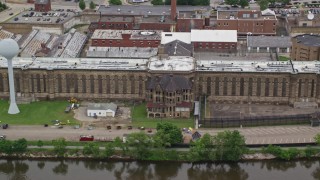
(2, 137)
(86, 137)
(5, 126)
(11, 14)
(16, 19)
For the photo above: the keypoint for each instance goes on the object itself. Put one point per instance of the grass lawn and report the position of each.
(283, 58)
(36, 113)
(139, 118)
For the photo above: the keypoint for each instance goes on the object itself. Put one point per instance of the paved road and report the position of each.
(274, 135)
(253, 135)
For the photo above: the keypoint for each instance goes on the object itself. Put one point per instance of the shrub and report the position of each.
(39, 143)
(6, 146)
(109, 150)
(309, 152)
(59, 146)
(19, 146)
(91, 149)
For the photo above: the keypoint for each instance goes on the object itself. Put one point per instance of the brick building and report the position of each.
(126, 38)
(42, 5)
(205, 40)
(214, 40)
(115, 22)
(166, 18)
(247, 21)
(306, 48)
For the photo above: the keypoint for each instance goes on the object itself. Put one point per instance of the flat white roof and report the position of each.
(259, 66)
(78, 63)
(134, 34)
(172, 63)
(167, 37)
(213, 35)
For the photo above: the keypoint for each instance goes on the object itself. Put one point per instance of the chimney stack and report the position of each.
(173, 9)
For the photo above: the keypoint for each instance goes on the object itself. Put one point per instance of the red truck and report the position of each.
(86, 137)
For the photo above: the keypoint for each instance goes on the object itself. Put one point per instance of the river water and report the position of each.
(96, 170)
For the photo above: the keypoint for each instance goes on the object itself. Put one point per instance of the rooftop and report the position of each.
(147, 9)
(173, 63)
(213, 35)
(261, 66)
(135, 34)
(116, 19)
(269, 41)
(42, 1)
(67, 46)
(5, 34)
(178, 48)
(121, 52)
(78, 63)
(308, 40)
(167, 37)
(170, 83)
(102, 106)
(243, 14)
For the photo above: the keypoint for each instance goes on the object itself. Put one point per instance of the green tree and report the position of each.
(310, 151)
(317, 139)
(230, 145)
(39, 143)
(92, 5)
(284, 1)
(6, 146)
(272, 1)
(19, 146)
(263, 4)
(109, 149)
(232, 2)
(115, 2)
(173, 131)
(243, 3)
(161, 139)
(82, 4)
(91, 149)
(123, 146)
(157, 2)
(140, 145)
(59, 146)
(202, 149)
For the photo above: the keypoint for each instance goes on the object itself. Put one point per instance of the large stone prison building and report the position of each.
(233, 82)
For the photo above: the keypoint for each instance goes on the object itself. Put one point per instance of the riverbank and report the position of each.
(48, 154)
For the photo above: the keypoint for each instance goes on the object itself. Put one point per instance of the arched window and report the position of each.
(208, 86)
(124, 84)
(84, 84)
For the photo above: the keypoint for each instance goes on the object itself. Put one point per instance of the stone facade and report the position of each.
(305, 47)
(169, 96)
(232, 87)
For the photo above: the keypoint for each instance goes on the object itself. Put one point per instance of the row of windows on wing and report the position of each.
(305, 88)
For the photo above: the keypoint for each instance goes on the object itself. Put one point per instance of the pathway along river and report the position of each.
(86, 170)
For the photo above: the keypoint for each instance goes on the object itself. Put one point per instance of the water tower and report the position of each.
(8, 49)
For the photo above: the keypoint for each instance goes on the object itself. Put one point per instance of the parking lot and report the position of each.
(274, 134)
(57, 16)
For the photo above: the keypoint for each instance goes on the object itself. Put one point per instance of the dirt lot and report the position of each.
(237, 110)
(122, 118)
